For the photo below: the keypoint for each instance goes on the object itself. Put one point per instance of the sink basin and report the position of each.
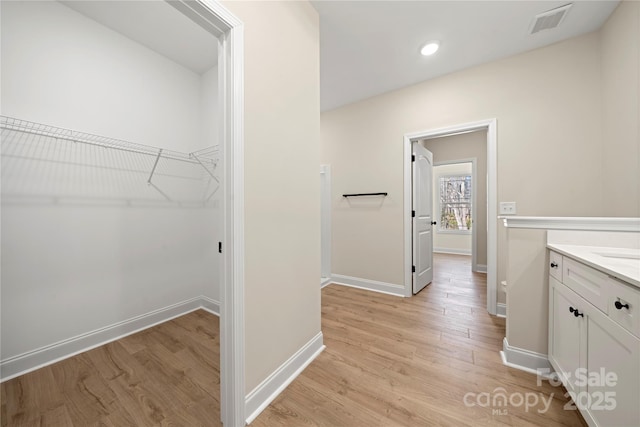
(619, 255)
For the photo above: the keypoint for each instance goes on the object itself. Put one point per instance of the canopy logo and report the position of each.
(595, 393)
(498, 400)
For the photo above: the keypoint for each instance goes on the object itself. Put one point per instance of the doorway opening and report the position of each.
(488, 126)
(460, 164)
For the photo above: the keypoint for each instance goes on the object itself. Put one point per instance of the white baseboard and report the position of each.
(452, 251)
(261, 396)
(210, 305)
(524, 360)
(324, 281)
(30, 361)
(501, 309)
(370, 285)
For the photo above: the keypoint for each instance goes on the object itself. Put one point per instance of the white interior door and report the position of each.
(422, 170)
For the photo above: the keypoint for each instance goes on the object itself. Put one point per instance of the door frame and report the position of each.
(229, 30)
(490, 125)
(325, 225)
(474, 202)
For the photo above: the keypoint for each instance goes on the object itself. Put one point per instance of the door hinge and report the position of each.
(220, 247)
(413, 157)
(413, 268)
(413, 214)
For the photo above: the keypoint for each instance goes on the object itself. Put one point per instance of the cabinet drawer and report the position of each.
(587, 282)
(624, 303)
(555, 265)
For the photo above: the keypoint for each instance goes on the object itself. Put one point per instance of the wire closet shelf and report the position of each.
(40, 160)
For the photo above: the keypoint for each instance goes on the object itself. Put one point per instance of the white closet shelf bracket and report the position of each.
(153, 169)
(208, 154)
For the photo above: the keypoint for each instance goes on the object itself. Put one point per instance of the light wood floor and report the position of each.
(165, 375)
(389, 362)
(395, 361)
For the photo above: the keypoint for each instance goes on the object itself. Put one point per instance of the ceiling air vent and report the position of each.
(549, 19)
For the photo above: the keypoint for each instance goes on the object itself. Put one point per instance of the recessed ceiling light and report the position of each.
(430, 48)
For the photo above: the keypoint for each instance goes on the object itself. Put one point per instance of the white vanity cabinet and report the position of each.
(594, 341)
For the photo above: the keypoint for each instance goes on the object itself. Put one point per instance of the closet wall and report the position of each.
(70, 267)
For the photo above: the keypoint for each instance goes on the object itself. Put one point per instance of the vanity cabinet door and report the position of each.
(613, 367)
(567, 332)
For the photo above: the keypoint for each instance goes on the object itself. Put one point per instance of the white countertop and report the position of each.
(622, 263)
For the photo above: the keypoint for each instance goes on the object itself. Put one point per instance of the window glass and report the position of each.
(455, 203)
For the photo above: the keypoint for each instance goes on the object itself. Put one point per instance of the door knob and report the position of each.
(554, 265)
(433, 223)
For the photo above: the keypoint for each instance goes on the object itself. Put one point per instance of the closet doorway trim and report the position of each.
(229, 30)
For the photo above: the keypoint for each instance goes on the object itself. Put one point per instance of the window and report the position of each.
(455, 203)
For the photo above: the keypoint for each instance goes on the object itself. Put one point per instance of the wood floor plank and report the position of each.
(389, 362)
(410, 362)
(88, 397)
(167, 375)
(31, 395)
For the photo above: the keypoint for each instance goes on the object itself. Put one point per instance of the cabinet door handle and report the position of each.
(620, 305)
(554, 265)
(575, 312)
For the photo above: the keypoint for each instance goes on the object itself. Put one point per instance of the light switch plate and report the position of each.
(507, 208)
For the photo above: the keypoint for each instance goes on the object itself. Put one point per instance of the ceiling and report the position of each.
(146, 22)
(371, 47)
(368, 47)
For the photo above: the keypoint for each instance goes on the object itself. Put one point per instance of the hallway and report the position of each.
(395, 361)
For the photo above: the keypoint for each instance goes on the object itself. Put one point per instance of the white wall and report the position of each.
(547, 106)
(447, 242)
(282, 183)
(620, 47)
(68, 269)
(618, 60)
(209, 107)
